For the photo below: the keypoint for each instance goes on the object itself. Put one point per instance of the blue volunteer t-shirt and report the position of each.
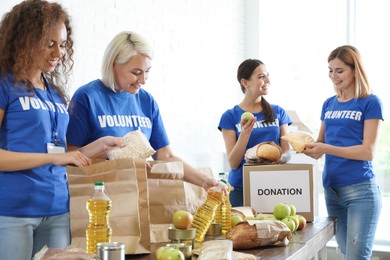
(27, 127)
(262, 132)
(96, 111)
(344, 126)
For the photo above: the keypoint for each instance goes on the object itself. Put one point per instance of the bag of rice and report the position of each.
(137, 146)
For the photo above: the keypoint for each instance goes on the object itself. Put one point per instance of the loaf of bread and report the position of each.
(298, 140)
(265, 152)
(269, 151)
(257, 233)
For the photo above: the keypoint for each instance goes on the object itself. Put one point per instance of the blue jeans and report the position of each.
(22, 238)
(236, 197)
(357, 208)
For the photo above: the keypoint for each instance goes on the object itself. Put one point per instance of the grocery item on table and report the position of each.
(216, 249)
(205, 214)
(47, 253)
(186, 236)
(99, 207)
(111, 251)
(256, 233)
(226, 209)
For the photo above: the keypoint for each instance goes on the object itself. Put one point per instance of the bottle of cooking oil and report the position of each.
(226, 209)
(205, 214)
(99, 207)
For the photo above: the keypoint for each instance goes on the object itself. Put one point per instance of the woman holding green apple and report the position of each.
(242, 131)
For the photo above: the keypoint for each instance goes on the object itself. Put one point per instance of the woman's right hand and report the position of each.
(247, 125)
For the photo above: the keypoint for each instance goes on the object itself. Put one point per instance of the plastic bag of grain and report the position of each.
(136, 146)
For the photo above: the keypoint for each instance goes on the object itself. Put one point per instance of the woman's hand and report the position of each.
(75, 158)
(212, 182)
(315, 150)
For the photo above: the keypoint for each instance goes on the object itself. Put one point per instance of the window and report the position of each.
(294, 40)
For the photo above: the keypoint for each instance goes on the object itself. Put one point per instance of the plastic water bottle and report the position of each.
(99, 207)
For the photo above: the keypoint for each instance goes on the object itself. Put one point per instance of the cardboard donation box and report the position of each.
(267, 185)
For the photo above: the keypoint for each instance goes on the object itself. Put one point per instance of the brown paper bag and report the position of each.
(169, 193)
(126, 186)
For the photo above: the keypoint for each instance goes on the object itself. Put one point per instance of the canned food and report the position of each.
(111, 251)
(186, 236)
(184, 248)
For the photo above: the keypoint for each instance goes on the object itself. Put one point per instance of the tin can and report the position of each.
(186, 249)
(111, 251)
(186, 236)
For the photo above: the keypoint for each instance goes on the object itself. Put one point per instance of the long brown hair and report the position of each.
(245, 71)
(24, 31)
(351, 57)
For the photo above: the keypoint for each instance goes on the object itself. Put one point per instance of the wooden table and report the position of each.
(305, 244)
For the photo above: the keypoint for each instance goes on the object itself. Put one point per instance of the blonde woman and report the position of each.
(348, 135)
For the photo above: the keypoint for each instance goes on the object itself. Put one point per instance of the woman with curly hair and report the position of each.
(36, 49)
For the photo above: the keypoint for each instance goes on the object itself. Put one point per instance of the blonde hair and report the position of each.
(351, 57)
(121, 48)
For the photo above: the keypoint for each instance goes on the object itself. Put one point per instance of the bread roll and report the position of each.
(269, 151)
(298, 140)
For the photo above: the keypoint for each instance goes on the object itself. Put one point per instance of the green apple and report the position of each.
(265, 216)
(182, 219)
(293, 210)
(174, 254)
(246, 116)
(282, 210)
(295, 218)
(250, 218)
(161, 250)
(235, 220)
(289, 223)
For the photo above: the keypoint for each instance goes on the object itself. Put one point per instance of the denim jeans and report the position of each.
(357, 208)
(236, 197)
(21, 238)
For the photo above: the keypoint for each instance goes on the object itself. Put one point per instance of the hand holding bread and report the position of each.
(298, 140)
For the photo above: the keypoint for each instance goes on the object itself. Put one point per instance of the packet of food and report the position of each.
(137, 146)
(216, 249)
(64, 253)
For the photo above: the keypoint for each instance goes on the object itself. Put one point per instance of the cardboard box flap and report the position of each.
(297, 122)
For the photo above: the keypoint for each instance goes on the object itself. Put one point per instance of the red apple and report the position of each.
(302, 222)
(182, 219)
(282, 210)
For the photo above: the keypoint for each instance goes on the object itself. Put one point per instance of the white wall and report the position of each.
(198, 46)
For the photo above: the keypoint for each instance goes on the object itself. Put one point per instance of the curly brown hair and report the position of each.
(24, 32)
